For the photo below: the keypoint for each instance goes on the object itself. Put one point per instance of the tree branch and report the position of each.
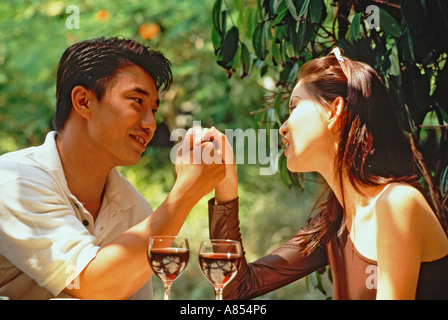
(386, 2)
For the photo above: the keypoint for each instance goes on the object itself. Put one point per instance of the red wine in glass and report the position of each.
(169, 263)
(219, 268)
(219, 261)
(168, 258)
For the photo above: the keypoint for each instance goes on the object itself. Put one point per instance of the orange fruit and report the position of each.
(149, 30)
(102, 15)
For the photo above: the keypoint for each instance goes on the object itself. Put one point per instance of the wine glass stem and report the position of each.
(167, 294)
(218, 293)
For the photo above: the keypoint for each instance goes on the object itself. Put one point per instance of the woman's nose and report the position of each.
(284, 128)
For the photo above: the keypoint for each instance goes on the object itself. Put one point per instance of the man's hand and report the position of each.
(199, 165)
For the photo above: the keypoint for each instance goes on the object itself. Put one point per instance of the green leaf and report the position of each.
(317, 8)
(251, 22)
(263, 69)
(283, 170)
(388, 24)
(295, 181)
(304, 9)
(330, 274)
(238, 4)
(292, 9)
(280, 33)
(293, 73)
(281, 13)
(406, 46)
(245, 60)
(216, 16)
(394, 69)
(288, 74)
(298, 38)
(444, 182)
(319, 284)
(313, 279)
(235, 63)
(223, 22)
(276, 54)
(307, 283)
(229, 46)
(348, 49)
(355, 26)
(216, 40)
(413, 13)
(284, 52)
(259, 41)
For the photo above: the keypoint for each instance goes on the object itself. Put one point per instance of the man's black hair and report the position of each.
(93, 63)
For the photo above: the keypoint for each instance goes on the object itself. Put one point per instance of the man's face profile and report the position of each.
(122, 122)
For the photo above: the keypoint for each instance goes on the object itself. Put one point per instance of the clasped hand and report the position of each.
(204, 162)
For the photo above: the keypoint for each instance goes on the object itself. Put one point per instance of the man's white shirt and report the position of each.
(47, 237)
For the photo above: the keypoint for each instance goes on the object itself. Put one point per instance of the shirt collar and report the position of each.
(119, 191)
(47, 155)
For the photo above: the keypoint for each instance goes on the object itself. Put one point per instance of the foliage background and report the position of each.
(404, 41)
(234, 62)
(33, 36)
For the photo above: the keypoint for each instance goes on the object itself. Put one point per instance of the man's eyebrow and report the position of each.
(140, 90)
(143, 92)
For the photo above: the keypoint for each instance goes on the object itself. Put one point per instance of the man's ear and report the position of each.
(335, 114)
(81, 101)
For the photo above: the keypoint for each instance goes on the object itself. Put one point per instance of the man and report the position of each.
(71, 225)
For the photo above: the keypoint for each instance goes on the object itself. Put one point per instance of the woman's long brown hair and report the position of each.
(372, 148)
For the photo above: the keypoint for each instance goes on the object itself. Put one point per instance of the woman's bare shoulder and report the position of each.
(402, 196)
(402, 210)
(403, 214)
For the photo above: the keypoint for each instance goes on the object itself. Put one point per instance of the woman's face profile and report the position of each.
(306, 135)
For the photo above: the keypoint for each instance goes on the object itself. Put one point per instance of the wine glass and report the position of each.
(219, 260)
(168, 257)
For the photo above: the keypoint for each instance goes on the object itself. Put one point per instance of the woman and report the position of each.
(375, 229)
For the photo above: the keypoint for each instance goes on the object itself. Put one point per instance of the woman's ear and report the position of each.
(335, 114)
(81, 100)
